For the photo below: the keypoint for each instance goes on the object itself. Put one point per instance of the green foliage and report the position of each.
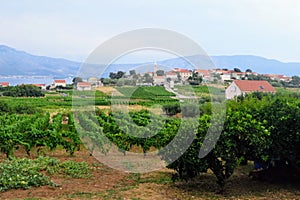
(21, 108)
(187, 110)
(203, 91)
(295, 80)
(172, 109)
(160, 72)
(145, 92)
(259, 127)
(237, 70)
(23, 91)
(71, 169)
(23, 173)
(91, 133)
(76, 80)
(32, 131)
(117, 75)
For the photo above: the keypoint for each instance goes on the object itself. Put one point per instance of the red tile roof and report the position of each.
(171, 73)
(39, 85)
(59, 81)
(184, 71)
(203, 71)
(181, 70)
(83, 84)
(4, 83)
(252, 86)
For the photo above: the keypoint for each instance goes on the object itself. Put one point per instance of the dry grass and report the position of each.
(154, 109)
(108, 90)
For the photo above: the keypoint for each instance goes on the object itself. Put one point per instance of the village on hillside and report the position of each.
(236, 81)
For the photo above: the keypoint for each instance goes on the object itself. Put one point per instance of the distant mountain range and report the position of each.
(15, 62)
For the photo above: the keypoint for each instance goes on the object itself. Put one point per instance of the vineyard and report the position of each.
(252, 131)
(36, 131)
(152, 94)
(257, 128)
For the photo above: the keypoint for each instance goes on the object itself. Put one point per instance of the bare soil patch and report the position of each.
(108, 90)
(103, 179)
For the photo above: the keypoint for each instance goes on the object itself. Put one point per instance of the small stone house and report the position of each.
(242, 87)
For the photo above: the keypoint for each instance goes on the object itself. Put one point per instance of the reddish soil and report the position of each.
(107, 183)
(103, 179)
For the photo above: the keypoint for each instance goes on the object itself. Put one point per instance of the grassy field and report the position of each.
(287, 90)
(200, 91)
(145, 92)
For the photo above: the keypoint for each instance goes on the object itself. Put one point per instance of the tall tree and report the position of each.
(112, 75)
(148, 78)
(120, 74)
(76, 80)
(237, 70)
(295, 80)
(160, 72)
(132, 72)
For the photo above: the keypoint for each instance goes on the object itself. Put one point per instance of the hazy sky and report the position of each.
(73, 28)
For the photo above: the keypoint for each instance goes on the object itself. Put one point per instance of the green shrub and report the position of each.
(23, 173)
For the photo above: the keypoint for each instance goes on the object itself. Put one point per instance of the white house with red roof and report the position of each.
(159, 80)
(83, 86)
(4, 84)
(184, 73)
(171, 75)
(203, 72)
(242, 87)
(278, 77)
(61, 83)
(42, 86)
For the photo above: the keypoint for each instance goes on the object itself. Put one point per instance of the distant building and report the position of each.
(278, 77)
(95, 82)
(171, 75)
(238, 75)
(4, 84)
(42, 86)
(149, 73)
(242, 87)
(205, 74)
(225, 77)
(284, 78)
(184, 73)
(57, 83)
(83, 86)
(159, 80)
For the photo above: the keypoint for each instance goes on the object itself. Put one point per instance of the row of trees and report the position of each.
(261, 128)
(22, 91)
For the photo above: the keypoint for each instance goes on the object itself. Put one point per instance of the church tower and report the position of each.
(155, 68)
